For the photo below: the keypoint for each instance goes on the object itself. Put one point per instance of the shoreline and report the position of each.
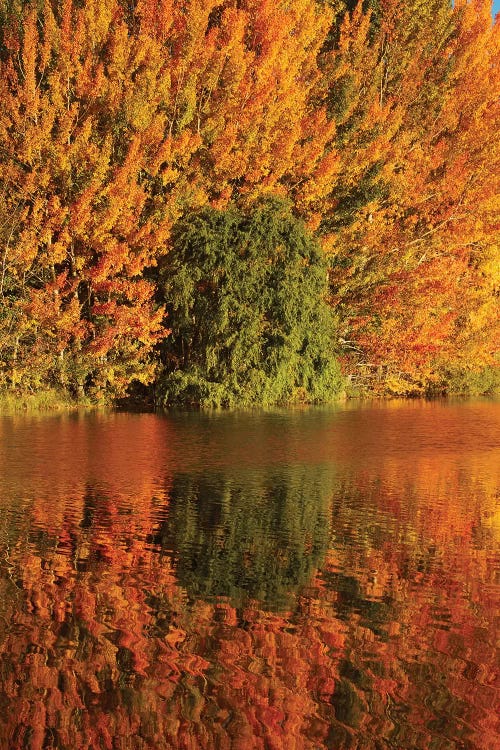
(51, 402)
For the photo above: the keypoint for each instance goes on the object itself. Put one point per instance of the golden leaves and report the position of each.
(115, 121)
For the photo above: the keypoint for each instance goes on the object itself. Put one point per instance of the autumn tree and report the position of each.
(114, 122)
(78, 226)
(377, 121)
(402, 254)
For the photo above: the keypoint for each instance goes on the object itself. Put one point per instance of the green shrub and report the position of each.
(472, 382)
(246, 295)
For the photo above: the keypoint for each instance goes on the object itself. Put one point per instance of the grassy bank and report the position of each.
(141, 398)
(49, 400)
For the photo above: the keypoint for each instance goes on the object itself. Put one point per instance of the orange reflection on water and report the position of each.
(389, 637)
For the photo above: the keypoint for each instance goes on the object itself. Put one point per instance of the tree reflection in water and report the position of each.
(245, 536)
(292, 608)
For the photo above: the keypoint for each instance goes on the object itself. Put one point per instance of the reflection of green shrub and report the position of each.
(246, 297)
(252, 537)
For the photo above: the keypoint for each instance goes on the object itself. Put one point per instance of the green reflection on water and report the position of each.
(239, 536)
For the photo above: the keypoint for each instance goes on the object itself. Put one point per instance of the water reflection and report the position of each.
(259, 536)
(266, 581)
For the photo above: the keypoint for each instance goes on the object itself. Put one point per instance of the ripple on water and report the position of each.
(306, 579)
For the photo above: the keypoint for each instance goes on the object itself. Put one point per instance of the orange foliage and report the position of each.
(414, 245)
(117, 119)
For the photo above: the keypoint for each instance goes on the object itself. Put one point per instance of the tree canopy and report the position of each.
(376, 120)
(250, 323)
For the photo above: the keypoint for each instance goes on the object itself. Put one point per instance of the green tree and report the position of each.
(248, 311)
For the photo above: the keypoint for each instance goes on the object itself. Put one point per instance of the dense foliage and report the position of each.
(377, 121)
(249, 319)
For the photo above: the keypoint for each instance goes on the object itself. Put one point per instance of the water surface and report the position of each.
(307, 579)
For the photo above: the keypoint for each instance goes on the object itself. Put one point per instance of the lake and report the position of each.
(305, 579)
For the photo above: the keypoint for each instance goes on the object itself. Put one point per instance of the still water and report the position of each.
(293, 580)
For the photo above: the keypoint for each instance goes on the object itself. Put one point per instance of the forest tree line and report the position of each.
(250, 200)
